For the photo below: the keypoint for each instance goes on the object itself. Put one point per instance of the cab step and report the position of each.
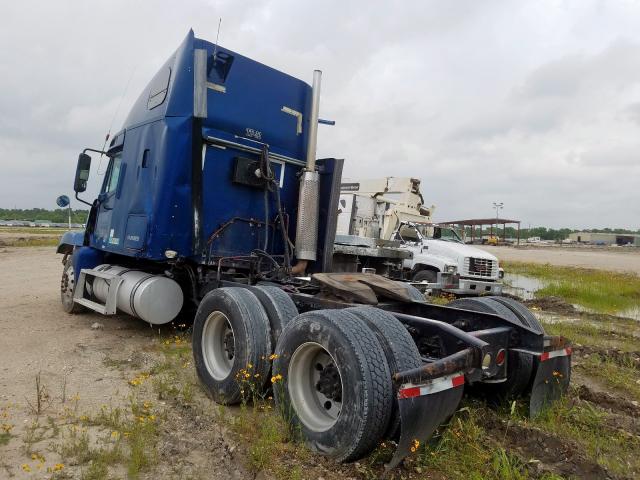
(114, 282)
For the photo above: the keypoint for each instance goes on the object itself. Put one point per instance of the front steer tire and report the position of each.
(333, 383)
(67, 288)
(430, 276)
(231, 339)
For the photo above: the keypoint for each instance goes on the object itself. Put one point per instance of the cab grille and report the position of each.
(480, 267)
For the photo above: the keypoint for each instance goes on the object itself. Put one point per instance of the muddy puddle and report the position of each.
(521, 285)
(526, 287)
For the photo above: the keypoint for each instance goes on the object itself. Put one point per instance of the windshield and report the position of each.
(414, 233)
(445, 234)
(431, 232)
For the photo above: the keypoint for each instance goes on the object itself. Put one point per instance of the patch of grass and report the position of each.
(173, 379)
(4, 438)
(597, 290)
(461, 451)
(37, 230)
(616, 374)
(270, 433)
(29, 242)
(113, 436)
(586, 425)
(34, 433)
(604, 334)
(97, 470)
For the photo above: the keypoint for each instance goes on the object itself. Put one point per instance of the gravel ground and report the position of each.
(625, 260)
(76, 364)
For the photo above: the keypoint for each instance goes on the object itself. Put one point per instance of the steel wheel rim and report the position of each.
(316, 410)
(218, 356)
(68, 283)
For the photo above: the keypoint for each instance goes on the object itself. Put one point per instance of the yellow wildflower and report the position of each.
(275, 378)
(273, 356)
(26, 467)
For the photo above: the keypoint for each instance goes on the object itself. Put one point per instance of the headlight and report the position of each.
(451, 269)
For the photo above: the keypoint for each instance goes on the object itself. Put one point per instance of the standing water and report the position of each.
(521, 285)
(526, 287)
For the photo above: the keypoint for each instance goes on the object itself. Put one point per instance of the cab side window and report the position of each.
(113, 174)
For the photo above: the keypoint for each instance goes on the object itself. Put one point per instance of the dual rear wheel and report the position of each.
(332, 369)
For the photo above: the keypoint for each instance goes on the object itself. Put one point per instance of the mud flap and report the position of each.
(551, 380)
(423, 408)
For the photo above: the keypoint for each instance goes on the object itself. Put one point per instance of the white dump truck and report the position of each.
(388, 217)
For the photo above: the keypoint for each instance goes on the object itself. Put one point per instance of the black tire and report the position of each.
(279, 307)
(522, 312)
(365, 392)
(428, 275)
(217, 363)
(399, 348)
(67, 287)
(520, 365)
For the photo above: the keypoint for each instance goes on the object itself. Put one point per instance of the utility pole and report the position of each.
(497, 206)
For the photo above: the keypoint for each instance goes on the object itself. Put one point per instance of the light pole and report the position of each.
(497, 206)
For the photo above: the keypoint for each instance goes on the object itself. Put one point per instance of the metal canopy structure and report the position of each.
(481, 222)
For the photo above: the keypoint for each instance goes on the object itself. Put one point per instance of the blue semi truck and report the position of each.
(214, 209)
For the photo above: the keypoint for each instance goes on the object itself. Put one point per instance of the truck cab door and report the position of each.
(109, 194)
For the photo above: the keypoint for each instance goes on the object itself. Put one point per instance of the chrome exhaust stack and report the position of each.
(309, 199)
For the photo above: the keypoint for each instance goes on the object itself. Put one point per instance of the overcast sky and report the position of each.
(532, 103)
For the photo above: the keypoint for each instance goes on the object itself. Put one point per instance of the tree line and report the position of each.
(547, 233)
(59, 215)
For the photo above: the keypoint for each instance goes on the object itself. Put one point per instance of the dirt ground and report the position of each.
(87, 368)
(621, 260)
(76, 366)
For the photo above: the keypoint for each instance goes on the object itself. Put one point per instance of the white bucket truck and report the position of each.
(383, 225)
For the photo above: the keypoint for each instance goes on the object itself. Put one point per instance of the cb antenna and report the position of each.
(106, 138)
(215, 48)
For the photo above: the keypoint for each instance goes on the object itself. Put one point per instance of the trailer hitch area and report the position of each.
(427, 397)
(552, 374)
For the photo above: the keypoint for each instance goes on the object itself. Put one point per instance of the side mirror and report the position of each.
(82, 173)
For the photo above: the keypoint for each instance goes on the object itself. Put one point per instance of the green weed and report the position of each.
(597, 290)
(618, 375)
(587, 425)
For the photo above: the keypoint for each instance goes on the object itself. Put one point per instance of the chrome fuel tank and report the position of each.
(153, 298)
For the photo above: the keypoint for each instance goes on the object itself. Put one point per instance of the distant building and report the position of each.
(606, 238)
